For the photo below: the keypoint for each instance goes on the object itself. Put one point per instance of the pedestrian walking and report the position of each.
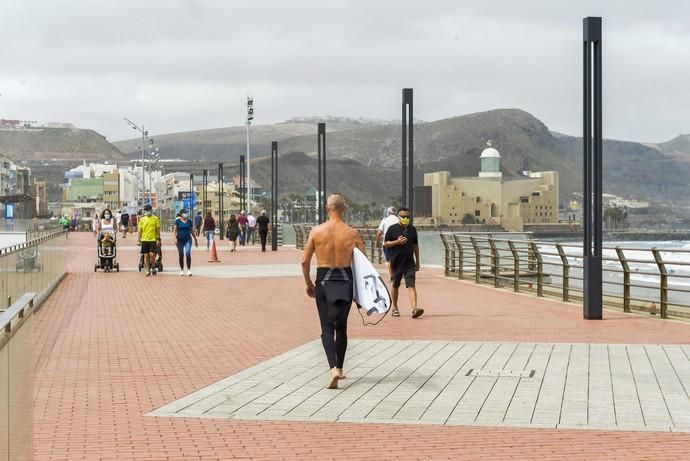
(135, 219)
(403, 247)
(333, 242)
(232, 232)
(251, 225)
(94, 222)
(209, 229)
(107, 224)
(262, 223)
(198, 220)
(390, 219)
(184, 233)
(64, 222)
(124, 223)
(149, 232)
(242, 220)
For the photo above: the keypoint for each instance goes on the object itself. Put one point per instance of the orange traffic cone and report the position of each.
(214, 254)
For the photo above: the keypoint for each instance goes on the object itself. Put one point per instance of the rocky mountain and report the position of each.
(677, 148)
(525, 143)
(61, 144)
(227, 144)
(364, 154)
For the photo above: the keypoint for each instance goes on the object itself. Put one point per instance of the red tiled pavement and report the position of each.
(111, 347)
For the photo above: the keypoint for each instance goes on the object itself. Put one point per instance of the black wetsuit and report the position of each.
(333, 300)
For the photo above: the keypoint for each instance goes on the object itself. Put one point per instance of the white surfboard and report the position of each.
(370, 291)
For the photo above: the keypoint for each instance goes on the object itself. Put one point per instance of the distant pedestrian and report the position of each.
(262, 223)
(242, 220)
(184, 233)
(94, 222)
(403, 246)
(251, 225)
(149, 238)
(64, 222)
(124, 223)
(135, 219)
(390, 219)
(75, 223)
(198, 220)
(209, 229)
(232, 232)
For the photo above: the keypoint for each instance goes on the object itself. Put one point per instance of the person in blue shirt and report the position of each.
(198, 219)
(184, 233)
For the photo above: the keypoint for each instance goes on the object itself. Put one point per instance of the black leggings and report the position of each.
(333, 301)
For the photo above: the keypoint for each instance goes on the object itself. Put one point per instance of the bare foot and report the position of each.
(341, 375)
(333, 383)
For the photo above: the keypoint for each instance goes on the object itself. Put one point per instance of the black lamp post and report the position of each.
(321, 189)
(220, 200)
(274, 196)
(407, 197)
(204, 191)
(593, 166)
(242, 182)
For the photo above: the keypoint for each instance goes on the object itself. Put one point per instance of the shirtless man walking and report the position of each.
(333, 242)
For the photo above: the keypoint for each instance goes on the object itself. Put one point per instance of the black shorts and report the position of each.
(386, 254)
(148, 247)
(409, 273)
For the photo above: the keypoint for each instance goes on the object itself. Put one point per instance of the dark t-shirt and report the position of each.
(262, 222)
(402, 256)
(209, 224)
(124, 219)
(184, 230)
(197, 220)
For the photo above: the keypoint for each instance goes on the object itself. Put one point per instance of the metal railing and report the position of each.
(650, 280)
(374, 251)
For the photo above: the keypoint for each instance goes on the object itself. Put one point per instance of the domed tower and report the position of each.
(491, 163)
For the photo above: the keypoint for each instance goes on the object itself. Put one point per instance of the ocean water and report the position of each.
(7, 239)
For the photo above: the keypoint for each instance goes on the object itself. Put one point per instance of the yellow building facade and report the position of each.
(492, 199)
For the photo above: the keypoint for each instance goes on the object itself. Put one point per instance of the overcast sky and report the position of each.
(178, 65)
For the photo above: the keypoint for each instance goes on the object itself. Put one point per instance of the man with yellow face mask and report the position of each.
(403, 250)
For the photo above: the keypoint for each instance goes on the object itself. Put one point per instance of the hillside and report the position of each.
(677, 148)
(298, 173)
(370, 153)
(58, 144)
(227, 144)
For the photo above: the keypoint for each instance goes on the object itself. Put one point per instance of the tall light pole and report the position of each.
(250, 117)
(144, 134)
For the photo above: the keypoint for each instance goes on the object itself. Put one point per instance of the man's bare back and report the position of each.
(333, 243)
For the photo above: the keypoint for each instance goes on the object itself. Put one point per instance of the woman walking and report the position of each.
(209, 229)
(184, 232)
(233, 232)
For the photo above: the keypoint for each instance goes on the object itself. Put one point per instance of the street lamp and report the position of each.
(144, 134)
(250, 117)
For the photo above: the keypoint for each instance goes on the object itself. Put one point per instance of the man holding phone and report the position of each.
(403, 250)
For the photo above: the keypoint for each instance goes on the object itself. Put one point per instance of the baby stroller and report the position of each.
(159, 259)
(106, 254)
(27, 260)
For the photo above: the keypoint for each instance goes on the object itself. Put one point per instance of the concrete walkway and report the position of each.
(227, 364)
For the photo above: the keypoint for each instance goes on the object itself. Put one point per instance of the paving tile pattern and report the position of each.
(111, 348)
(644, 387)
